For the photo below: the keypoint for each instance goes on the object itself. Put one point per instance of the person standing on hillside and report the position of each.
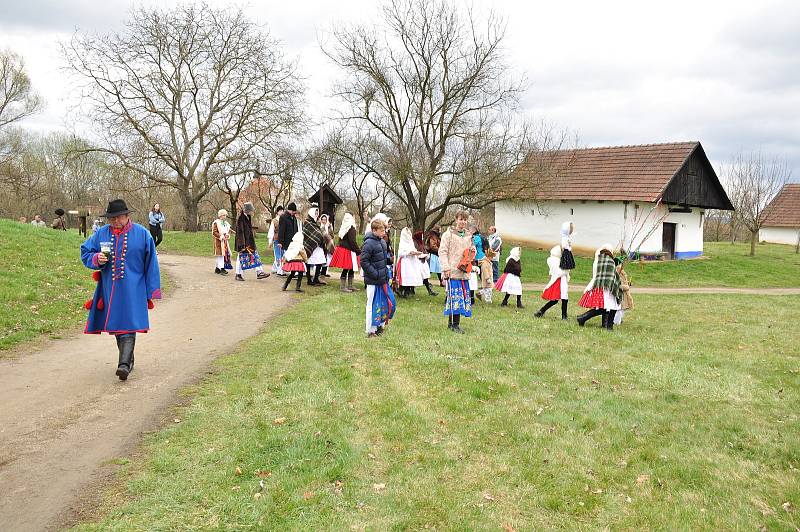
(59, 222)
(246, 249)
(37, 221)
(128, 280)
(156, 219)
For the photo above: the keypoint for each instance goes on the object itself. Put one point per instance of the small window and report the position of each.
(571, 212)
(533, 212)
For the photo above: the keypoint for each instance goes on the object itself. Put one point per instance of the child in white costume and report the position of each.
(410, 271)
(510, 282)
(558, 286)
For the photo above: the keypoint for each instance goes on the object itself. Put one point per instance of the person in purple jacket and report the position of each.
(124, 256)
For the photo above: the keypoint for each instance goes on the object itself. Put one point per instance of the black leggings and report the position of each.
(155, 231)
(292, 276)
(346, 274)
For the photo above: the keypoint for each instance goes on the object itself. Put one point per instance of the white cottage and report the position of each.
(650, 198)
(781, 223)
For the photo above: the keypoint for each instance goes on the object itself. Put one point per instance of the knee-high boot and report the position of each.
(544, 309)
(350, 275)
(589, 314)
(289, 280)
(610, 319)
(299, 283)
(125, 345)
(564, 303)
(427, 284)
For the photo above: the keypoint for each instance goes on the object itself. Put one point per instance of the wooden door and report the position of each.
(668, 239)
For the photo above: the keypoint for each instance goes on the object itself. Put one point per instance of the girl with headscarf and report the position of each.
(567, 259)
(424, 257)
(346, 254)
(603, 294)
(221, 232)
(327, 242)
(557, 289)
(312, 242)
(510, 282)
(294, 261)
(409, 268)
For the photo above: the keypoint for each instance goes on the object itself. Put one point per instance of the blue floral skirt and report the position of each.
(458, 300)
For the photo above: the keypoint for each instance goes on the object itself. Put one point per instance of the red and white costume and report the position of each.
(558, 286)
(599, 298)
(510, 283)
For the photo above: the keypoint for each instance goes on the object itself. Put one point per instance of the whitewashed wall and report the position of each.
(597, 223)
(778, 235)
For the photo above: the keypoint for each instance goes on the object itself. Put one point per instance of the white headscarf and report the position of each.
(381, 217)
(347, 222)
(406, 243)
(566, 235)
(554, 262)
(313, 213)
(514, 254)
(295, 247)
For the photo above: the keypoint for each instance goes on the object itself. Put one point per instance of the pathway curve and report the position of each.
(64, 415)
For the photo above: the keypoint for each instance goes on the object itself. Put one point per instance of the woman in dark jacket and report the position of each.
(245, 243)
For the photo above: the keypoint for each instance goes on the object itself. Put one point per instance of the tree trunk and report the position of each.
(190, 211)
(753, 240)
(797, 246)
(232, 213)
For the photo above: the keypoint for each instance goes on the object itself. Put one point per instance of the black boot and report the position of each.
(456, 322)
(216, 270)
(299, 282)
(505, 301)
(289, 280)
(317, 273)
(428, 286)
(564, 303)
(610, 319)
(539, 313)
(472, 297)
(583, 318)
(519, 302)
(605, 319)
(125, 344)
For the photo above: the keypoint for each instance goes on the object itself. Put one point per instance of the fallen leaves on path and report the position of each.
(379, 487)
(279, 421)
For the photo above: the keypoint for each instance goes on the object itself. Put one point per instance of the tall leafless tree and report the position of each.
(17, 97)
(200, 87)
(753, 181)
(429, 87)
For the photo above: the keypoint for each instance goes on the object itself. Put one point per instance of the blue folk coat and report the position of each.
(125, 283)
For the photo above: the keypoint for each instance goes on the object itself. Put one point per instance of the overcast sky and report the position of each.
(726, 73)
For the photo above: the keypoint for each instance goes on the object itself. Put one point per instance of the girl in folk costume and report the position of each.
(410, 271)
(558, 287)
(432, 247)
(567, 259)
(327, 242)
(248, 257)
(603, 294)
(424, 257)
(483, 265)
(294, 261)
(346, 254)
(456, 253)
(275, 243)
(221, 231)
(510, 282)
(312, 242)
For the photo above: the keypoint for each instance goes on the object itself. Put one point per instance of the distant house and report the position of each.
(649, 198)
(781, 224)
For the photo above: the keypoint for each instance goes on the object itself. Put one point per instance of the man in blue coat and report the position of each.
(124, 256)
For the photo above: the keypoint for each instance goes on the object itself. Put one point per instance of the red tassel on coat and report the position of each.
(88, 304)
(100, 304)
(150, 304)
(96, 276)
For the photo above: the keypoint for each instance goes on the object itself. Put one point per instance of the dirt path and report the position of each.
(65, 415)
(696, 290)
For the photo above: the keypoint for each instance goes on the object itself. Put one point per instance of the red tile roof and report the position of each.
(784, 209)
(634, 173)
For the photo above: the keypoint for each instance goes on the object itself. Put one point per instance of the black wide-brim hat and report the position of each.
(115, 208)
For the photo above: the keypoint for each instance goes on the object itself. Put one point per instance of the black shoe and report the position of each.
(125, 364)
(216, 270)
(520, 305)
(239, 277)
(504, 304)
(379, 331)
(538, 313)
(223, 271)
(457, 329)
(262, 275)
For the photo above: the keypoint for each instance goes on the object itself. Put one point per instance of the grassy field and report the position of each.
(724, 264)
(43, 283)
(689, 422)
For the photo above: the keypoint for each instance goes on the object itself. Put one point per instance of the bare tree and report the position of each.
(429, 88)
(754, 180)
(200, 87)
(17, 97)
(277, 175)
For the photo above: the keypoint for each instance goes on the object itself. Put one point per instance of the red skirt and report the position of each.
(553, 292)
(593, 299)
(343, 258)
(499, 284)
(294, 266)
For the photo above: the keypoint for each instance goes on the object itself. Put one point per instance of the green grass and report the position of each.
(724, 264)
(683, 423)
(43, 283)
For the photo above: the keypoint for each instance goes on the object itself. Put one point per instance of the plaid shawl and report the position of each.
(607, 276)
(312, 236)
